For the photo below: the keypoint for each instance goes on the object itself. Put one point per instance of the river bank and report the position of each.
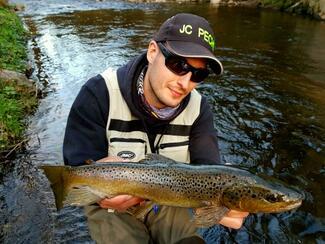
(313, 8)
(18, 94)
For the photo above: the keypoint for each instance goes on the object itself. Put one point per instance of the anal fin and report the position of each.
(140, 211)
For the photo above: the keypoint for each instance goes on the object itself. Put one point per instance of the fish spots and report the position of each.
(183, 181)
(272, 198)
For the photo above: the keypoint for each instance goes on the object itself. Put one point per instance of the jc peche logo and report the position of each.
(201, 33)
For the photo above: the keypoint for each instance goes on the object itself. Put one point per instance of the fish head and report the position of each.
(261, 198)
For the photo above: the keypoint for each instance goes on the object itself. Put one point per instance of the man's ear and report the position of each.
(152, 51)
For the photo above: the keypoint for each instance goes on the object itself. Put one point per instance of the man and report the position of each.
(149, 105)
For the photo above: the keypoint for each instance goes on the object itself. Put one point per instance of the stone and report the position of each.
(20, 78)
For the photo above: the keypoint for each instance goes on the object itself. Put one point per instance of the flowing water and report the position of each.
(269, 108)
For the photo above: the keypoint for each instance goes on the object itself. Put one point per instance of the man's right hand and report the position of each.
(122, 202)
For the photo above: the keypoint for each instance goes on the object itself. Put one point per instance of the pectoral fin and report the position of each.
(83, 195)
(209, 216)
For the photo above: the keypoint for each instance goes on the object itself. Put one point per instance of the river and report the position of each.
(269, 108)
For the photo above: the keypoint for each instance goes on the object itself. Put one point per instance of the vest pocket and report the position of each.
(175, 150)
(130, 149)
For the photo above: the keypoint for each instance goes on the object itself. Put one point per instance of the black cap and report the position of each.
(190, 36)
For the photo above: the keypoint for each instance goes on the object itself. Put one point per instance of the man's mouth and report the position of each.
(176, 93)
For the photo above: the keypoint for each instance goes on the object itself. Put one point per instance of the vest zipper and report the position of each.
(173, 144)
(117, 139)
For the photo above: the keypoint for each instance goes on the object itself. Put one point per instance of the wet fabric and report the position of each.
(169, 225)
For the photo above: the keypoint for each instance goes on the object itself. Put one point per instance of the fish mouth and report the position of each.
(295, 200)
(289, 206)
(265, 206)
(295, 204)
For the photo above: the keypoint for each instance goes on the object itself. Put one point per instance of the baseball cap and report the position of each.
(190, 36)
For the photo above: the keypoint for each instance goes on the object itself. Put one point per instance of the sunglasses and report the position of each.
(179, 66)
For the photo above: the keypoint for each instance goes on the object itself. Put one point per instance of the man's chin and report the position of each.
(170, 102)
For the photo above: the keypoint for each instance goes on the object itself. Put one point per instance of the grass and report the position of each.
(16, 99)
(16, 102)
(12, 41)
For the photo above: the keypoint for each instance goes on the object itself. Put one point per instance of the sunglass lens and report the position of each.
(199, 75)
(177, 65)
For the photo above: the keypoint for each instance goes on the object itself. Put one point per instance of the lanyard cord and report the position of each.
(157, 144)
(160, 137)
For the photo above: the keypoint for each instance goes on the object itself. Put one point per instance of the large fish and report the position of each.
(210, 190)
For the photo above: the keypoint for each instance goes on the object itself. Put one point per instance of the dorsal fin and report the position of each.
(152, 158)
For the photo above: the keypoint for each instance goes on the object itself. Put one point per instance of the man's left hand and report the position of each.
(234, 219)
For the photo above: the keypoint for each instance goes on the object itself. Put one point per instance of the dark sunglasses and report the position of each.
(179, 66)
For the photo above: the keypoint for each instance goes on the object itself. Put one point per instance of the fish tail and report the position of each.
(57, 175)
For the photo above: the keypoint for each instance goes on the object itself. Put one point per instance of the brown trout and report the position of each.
(211, 190)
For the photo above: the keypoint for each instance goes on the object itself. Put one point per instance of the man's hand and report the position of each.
(234, 219)
(122, 202)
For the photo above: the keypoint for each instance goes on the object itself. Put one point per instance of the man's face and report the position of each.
(162, 87)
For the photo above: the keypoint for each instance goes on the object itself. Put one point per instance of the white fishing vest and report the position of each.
(127, 137)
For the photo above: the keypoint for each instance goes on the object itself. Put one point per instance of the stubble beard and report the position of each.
(156, 98)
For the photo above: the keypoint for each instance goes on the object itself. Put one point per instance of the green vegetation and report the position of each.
(16, 101)
(16, 98)
(12, 41)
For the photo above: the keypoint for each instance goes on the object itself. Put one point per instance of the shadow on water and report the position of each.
(268, 108)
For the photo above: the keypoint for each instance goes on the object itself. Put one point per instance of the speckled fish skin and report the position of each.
(177, 184)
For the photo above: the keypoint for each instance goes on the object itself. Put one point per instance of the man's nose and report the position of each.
(184, 80)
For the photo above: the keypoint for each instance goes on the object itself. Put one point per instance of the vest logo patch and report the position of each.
(126, 154)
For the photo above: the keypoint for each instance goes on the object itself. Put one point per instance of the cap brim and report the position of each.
(193, 50)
